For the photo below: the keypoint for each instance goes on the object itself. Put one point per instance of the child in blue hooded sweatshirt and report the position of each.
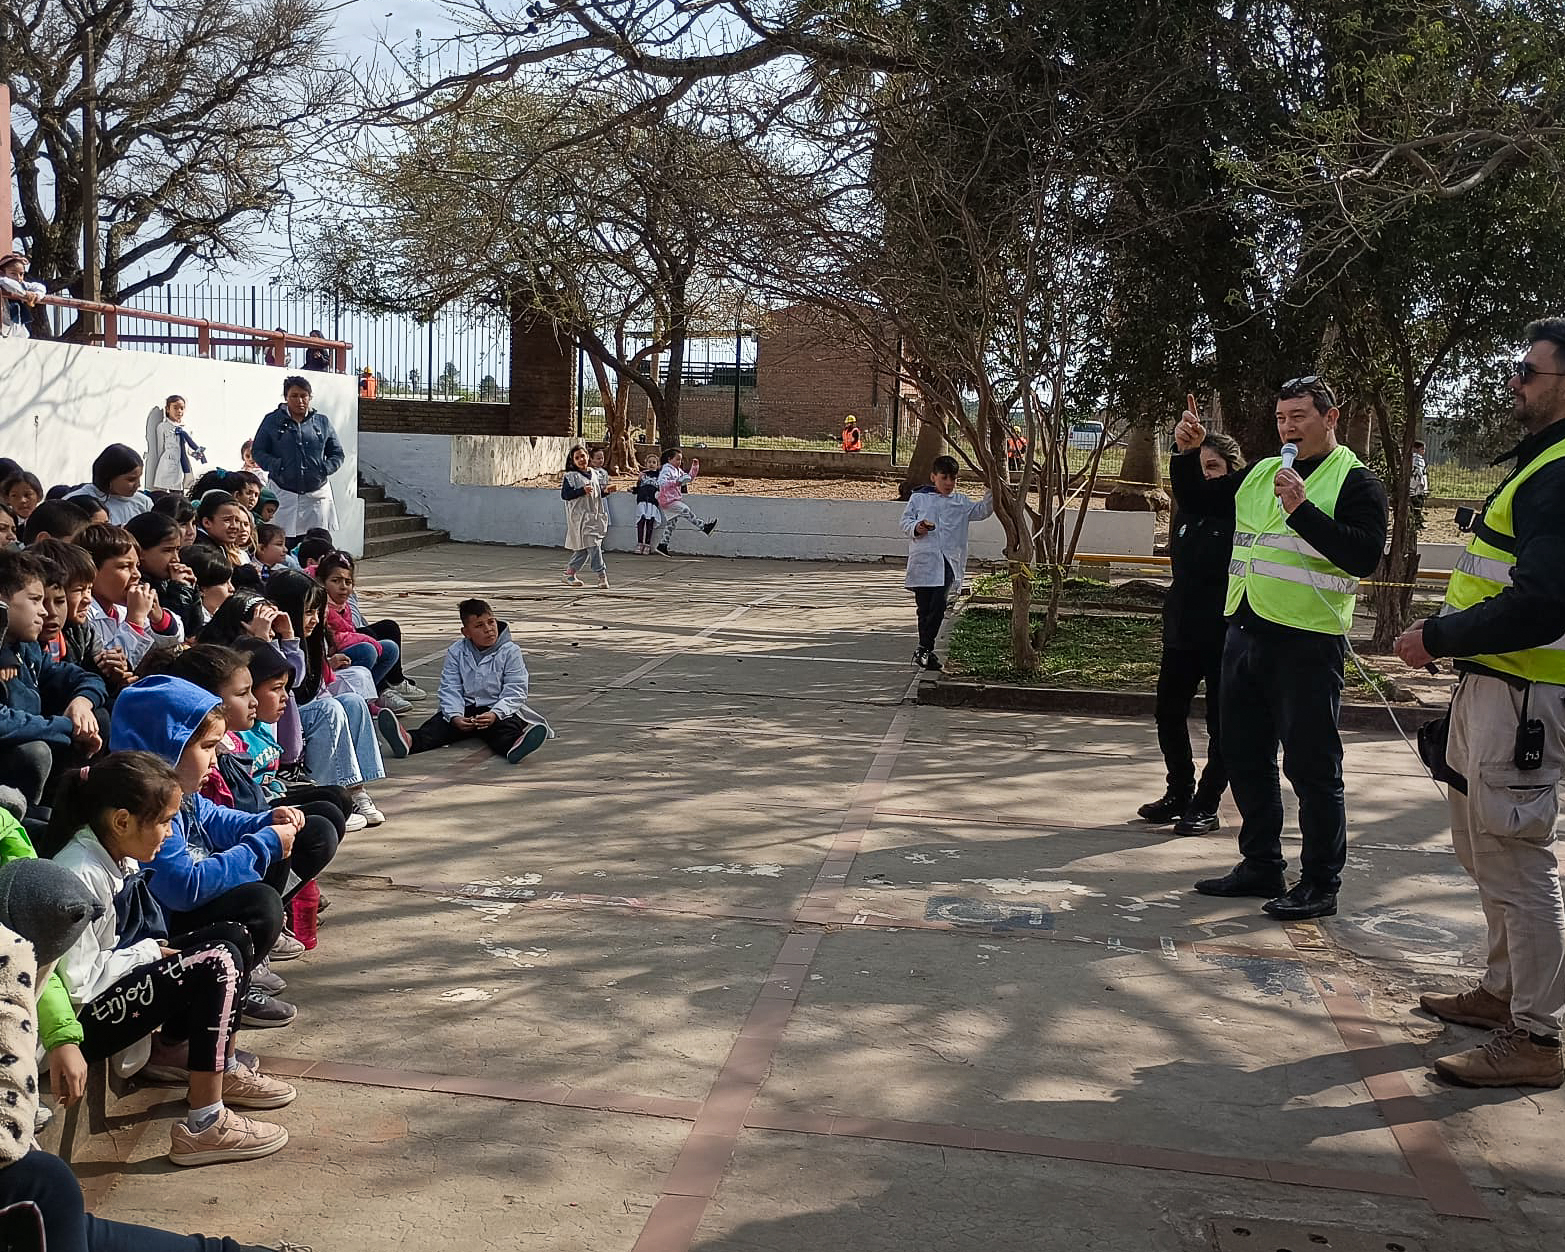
(210, 868)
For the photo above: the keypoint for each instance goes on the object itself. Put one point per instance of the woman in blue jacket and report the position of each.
(300, 451)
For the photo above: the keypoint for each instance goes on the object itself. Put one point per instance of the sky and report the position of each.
(362, 26)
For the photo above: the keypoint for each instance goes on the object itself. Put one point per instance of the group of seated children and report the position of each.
(191, 710)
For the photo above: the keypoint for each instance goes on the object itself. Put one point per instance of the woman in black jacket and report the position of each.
(1200, 547)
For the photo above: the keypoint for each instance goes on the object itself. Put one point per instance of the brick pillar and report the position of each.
(541, 373)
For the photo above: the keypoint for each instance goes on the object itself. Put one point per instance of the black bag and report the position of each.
(1432, 739)
(137, 915)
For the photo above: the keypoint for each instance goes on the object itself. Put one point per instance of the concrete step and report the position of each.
(403, 541)
(370, 493)
(384, 508)
(376, 527)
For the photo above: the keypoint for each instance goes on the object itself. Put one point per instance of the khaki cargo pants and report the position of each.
(1503, 831)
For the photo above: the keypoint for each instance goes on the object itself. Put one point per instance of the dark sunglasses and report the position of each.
(1308, 385)
(1523, 370)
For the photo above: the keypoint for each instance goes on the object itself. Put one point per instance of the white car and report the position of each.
(1085, 435)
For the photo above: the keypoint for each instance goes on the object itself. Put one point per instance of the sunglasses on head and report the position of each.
(1523, 370)
(1308, 385)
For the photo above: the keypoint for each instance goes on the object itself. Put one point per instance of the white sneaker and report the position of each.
(409, 690)
(355, 821)
(571, 580)
(365, 808)
(394, 702)
(287, 948)
(603, 582)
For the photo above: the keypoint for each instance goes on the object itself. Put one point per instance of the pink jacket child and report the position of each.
(672, 480)
(339, 621)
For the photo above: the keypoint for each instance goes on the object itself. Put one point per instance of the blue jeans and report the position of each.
(378, 666)
(340, 746)
(41, 1207)
(581, 556)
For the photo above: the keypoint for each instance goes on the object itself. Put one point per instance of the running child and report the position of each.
(673, 482)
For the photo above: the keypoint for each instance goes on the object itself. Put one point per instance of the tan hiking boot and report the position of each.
(1473, 1007)
(246, 1088)
(1508, 1058)
(229, 1138)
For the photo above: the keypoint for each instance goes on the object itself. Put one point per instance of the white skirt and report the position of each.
(299, 513)
(647, 509)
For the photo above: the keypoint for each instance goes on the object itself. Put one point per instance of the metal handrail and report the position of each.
(203, 339)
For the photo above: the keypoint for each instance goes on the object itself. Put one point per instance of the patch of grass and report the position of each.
(1102, 653)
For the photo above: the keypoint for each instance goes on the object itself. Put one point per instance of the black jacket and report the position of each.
(1531, 611)
(1200, 545)
(1352, 537)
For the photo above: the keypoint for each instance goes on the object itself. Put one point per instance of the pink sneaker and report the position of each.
(246, 1088)
(229, 1138)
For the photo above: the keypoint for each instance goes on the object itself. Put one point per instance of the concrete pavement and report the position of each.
(805, 966)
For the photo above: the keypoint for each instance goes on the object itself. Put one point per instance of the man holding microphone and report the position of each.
(1308, 524)
(1504, 622)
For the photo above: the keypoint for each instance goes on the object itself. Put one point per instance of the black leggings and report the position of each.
(388, 629)
(195, 996)
(645, 526)
(254, 905)
(313, 798)
(313, 849)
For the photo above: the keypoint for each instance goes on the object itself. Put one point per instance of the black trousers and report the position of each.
(437, 732)
(195, 996)
(254, 905)
(930, 604)
(313, 848)
(1181, 672)
(1285, 687)
(388, 629)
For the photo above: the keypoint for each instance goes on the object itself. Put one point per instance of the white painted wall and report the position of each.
(61, 404)
(417, 469)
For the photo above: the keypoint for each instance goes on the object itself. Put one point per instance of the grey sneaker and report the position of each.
(261, 976)
(262, 1011)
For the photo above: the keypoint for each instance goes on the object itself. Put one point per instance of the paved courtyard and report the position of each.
(809, 967)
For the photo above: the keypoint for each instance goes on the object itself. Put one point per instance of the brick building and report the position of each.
(812, 370)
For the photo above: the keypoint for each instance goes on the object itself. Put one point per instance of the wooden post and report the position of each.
(7, 242)
(90, 287)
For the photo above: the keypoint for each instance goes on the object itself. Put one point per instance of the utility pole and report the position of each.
(90, 287)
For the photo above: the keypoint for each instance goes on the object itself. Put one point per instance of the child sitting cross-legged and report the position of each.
(50, 711)
(73, 570)
(213, 866)
(232, 782)
(130, 974)
(483, 691)
(124, 612)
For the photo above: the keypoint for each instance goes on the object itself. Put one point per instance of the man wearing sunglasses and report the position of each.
(1303, 537)
(1504, 622)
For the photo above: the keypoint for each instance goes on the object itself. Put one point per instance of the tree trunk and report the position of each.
(1023, 654)
(1358, 429)
(1140, 486)
(615, 395)
(930, 443)
(678, 333)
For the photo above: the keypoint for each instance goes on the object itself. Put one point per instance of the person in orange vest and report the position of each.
(1015, 448)
(852, 437)
(367, 384)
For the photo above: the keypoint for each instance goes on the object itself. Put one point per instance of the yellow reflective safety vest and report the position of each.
(1484, 570)
(1284, 579)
